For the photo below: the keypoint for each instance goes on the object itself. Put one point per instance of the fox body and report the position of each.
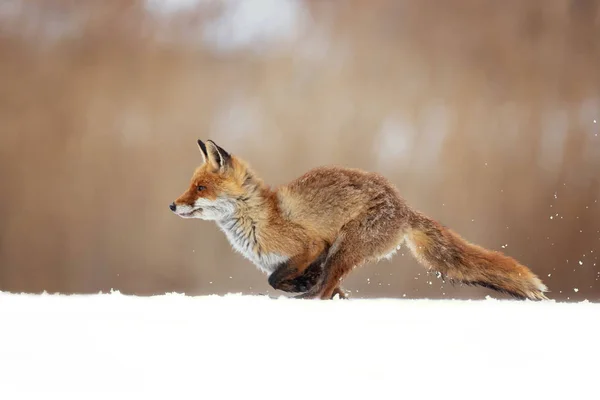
(309, 234)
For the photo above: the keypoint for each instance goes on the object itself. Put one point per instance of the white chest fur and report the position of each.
(242, 237)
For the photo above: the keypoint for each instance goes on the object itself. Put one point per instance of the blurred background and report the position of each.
(486, 114)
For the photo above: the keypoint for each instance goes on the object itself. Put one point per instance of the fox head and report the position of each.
(215, 188)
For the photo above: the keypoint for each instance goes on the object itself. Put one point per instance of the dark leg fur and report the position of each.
(286, 276)
(344, 255)
(338, 265)
(308, 279)
(282, 277)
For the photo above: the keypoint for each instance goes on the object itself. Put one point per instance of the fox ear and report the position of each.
(219, 158)
(202, 147)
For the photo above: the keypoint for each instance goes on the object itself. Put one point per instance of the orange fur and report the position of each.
(309, 234)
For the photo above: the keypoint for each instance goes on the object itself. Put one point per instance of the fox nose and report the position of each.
(172, 206)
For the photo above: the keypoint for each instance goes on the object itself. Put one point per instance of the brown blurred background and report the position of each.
(486, 114)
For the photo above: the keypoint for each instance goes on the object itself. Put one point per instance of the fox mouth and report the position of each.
(190, 214)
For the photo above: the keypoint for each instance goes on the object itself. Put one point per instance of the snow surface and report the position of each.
(113, 346)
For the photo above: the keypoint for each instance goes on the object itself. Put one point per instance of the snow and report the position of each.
(223, 347)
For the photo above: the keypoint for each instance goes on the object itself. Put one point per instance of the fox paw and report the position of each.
(307, 295)
(341, 293)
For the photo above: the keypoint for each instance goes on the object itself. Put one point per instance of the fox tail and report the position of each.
(457, 260)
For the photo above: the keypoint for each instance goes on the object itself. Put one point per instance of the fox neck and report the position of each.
(244, 226)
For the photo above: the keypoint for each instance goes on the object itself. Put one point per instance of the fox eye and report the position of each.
(200, 188)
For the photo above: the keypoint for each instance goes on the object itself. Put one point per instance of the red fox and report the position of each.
(309, 234)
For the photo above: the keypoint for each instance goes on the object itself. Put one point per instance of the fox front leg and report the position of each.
(289, 278)
(279, 278)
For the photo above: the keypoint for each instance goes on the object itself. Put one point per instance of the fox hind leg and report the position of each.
(362, 240)
(334, 271)
(343, 256)
(339, 291)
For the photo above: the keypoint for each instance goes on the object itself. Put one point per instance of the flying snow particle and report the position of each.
(575, 290)
(580, 262)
